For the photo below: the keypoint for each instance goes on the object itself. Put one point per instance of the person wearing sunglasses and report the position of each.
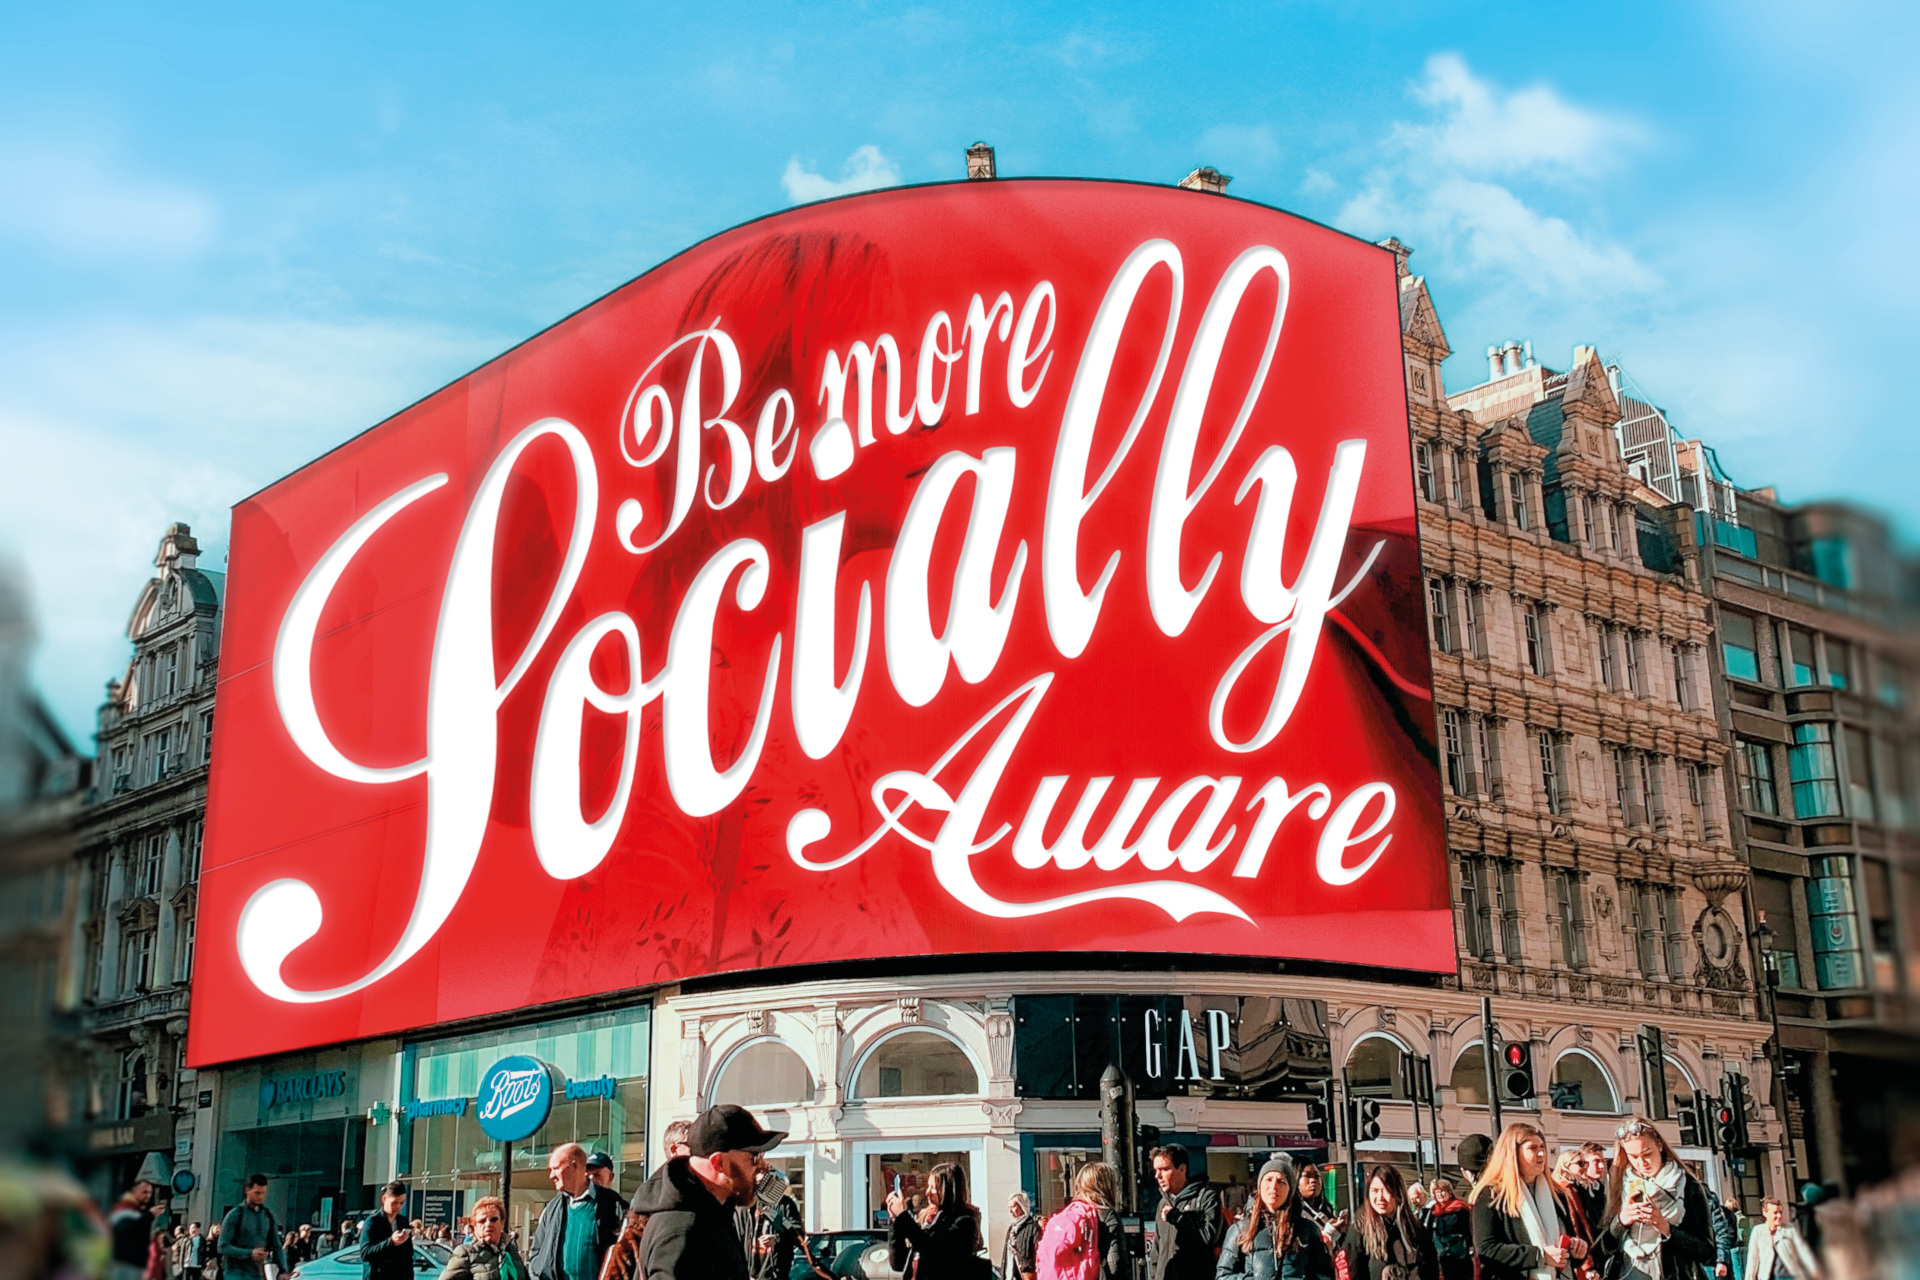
(490, 1255)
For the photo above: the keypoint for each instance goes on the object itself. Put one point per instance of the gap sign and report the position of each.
(1009, 566)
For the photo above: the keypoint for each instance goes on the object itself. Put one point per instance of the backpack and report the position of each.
(1069, 1248)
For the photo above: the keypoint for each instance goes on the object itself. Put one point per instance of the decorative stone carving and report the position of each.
(1716, 938)
(756, 1022)
(1388, 1017)
(1715, 880)
(1001, 1112)
(910, 1008)
(1583, 1032)
(1000, 1042)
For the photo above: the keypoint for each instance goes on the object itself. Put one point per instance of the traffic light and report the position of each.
(1320, 1115)
(1730, 1114)
(1364, 1124)
(1692, 1132)
(1652, 1043)
(1516, 1075)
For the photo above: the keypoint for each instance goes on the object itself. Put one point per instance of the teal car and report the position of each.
(345, 1264)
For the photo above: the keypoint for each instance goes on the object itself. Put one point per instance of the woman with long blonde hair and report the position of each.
(1658, 1225)
(1518, 1215)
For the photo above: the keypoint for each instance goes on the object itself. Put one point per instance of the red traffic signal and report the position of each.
(1517, 1055)
(1723, 1114)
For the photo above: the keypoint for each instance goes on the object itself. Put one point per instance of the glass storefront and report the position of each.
(303, 1121)
(910, 1169)
(604, 1058)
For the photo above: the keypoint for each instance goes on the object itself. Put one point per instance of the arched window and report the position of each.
(1470, 1076)
(1580, 1084)
(763, 1074)
(916, 1064)
(1373, 1070)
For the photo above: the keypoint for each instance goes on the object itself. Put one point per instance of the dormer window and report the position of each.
(1517, 495)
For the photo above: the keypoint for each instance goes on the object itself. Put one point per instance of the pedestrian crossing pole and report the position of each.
(1490, 1052)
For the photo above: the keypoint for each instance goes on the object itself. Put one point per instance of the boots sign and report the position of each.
(1004, 567)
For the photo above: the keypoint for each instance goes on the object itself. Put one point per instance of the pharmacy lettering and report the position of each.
(1010, 567)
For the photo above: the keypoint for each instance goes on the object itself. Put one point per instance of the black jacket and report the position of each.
(1405, 1239)
(1726, 1233)
(946, 1248)
(543, 1259)
(1451, 1230)
(1500, 1242)
(1188, 1231)
(689, 1233)
(1310, 1260)
(386, 1260)
(1688, 1248)
(1022, 1237)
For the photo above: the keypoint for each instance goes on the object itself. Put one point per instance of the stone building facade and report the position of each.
(1599, 887)
(123, 1018)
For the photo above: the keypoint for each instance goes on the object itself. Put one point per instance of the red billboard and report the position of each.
(1017, 566)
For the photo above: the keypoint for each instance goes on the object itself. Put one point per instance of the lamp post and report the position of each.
(1771, 965)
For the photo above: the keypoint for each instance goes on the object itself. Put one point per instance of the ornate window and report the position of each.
(1373, 1069)
(916, 1064)
(1580, 1083)
(762, 1074)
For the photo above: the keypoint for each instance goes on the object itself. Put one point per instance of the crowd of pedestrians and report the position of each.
(714, 1209)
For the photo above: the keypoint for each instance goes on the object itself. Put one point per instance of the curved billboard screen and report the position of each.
(1014, 566)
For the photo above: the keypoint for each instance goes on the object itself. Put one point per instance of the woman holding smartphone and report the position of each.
(1658, 1226)
(944, 1242)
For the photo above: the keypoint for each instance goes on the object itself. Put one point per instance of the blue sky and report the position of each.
(232, 237)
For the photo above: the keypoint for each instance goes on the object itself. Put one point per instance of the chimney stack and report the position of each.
(1206, 178)
(1493, 363)
(980, 161)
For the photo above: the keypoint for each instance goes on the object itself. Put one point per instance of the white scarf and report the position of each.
(1666, 1189)
(1537, 1210)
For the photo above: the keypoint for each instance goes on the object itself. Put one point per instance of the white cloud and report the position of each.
(865, 170)
(114, 430)
(1480, 129)
(75, 201)
(1238, 146)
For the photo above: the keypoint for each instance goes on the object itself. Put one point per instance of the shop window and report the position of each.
(1553, 772)
(911, 1168)
(1440, 613)
(1581, 1084)
(1469, 1079)
(764, 1073)
(1473, 621)
(1739, 646)
(1881, 942)
(1682, 678)
(1834, 919)
(1859, 773)
(1839, 663)
(1373, 1070)
(1800, 654)
(1564, 889)
(917, 1064)
(1753, 770)
(1773, 899)
(1450, 727)
(1815, 774)
(1533, 619)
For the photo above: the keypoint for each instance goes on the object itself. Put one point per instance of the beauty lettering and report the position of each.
(686, 428)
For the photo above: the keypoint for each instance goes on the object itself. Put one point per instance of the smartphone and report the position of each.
(896, 1184)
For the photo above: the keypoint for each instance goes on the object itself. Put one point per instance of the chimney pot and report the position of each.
(1493, 363)
(980, 163)
(1206, 178)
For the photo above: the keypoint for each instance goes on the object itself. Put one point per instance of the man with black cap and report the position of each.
(600, 1168)
(689, 1201)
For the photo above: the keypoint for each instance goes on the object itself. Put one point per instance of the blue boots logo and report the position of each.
(516, 1096)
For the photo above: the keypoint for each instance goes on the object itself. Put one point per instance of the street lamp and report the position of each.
(1770, 963)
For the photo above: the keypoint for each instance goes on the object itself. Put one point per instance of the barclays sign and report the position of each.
(278, 1091)
(516, 1096)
